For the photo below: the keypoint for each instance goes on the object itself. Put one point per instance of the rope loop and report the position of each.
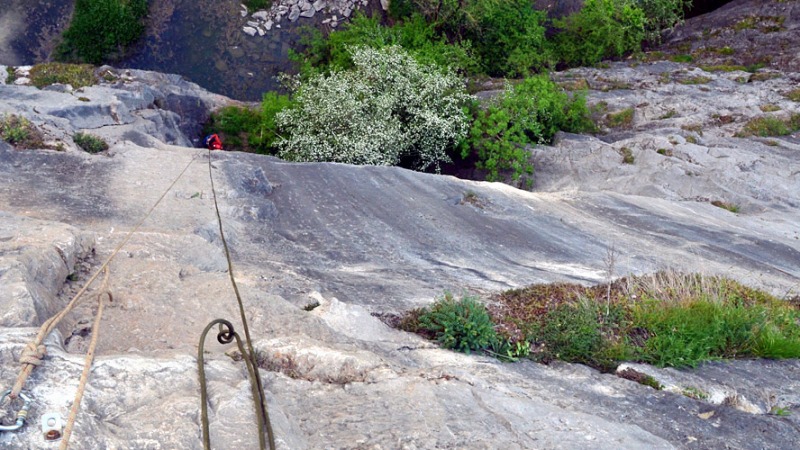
(226, 333)
(33, 354)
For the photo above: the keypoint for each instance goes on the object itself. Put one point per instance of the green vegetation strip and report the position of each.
(76, 75)
(665, 319)
(102, 30)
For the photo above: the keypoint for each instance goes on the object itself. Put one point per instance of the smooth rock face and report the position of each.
(363, 240)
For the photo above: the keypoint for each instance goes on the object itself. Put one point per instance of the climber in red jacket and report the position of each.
(213, 142)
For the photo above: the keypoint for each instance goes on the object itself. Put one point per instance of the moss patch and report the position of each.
(620, 119)
(76, 75)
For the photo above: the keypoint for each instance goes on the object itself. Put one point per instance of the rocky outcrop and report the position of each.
(332, 11)
(743, 32)
(364, 240)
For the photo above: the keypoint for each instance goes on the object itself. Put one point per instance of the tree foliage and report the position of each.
(387, 110)
(601, 29)
(528, 113)
(102, 29)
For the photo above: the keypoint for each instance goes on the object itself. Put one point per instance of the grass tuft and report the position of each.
(726, 205)
(90, 143)
(621, 119)
(76, 75)
(766, 126)
(666, 319)
(20, 132)
(627, 155)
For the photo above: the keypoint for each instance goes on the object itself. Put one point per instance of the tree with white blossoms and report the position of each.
(386, 109)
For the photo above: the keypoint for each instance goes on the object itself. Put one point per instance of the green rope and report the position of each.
(249, 356)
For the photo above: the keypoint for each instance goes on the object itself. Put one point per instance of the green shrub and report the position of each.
(666, 319)
(511, 39)
(90, 143)
(661, 15)
(529, 113)
(102, 29)
(463, 325)
(76, 75)
(388, 109)
(416, 36)
(573, 332)
(601, 29)
(254, 5)
(20, 132)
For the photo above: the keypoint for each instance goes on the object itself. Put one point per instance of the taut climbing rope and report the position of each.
(224, 337)
(249, 356)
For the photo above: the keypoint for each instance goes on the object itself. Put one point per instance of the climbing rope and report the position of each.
(226, 335)
(87, 364)
(34, 352)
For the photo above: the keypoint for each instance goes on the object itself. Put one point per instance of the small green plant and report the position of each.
(726, 205)
(683, 58)
(463, 325)
(620, 119)
(763, 76)
(12, 74)
(724, 68)
(76, 75)
(90, 143)
(695, 80)
(695, 393)
(793, 95)
(641, 378)
(627, 155)
(694, 128)
(668, 115)
(727, 51)
(766, 126)
(20, 132)
(311, 306)
(664, 151)
(780, 411)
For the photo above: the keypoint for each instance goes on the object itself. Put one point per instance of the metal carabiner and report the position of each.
(21, 415)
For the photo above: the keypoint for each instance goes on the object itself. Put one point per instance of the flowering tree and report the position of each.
(387, 108)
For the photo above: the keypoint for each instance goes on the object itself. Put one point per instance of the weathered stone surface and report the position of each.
(294, 13)
(363, 240)
(756, 32)
(250, 31)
